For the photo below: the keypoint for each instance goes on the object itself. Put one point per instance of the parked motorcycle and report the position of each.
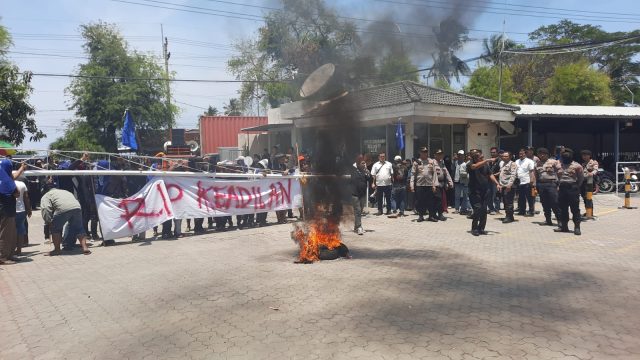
(606, 182)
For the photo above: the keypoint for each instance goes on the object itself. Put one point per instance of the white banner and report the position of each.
(149, 207)
(207, 197)
(193, 197)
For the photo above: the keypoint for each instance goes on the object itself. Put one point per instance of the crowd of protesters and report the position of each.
(476, 186)
(430, 187)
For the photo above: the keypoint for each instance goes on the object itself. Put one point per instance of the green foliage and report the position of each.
(16, 113)
(107, 87)
(443, 84)
(494, 46)
(396, 67)
(290, 46)
(485, 82)
(212, 111)
(233, 108)
(450, 37)
(619, 61)
(78, 135)
(578, 84)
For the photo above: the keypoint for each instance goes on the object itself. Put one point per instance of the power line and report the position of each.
(121, 78)
(528, 14)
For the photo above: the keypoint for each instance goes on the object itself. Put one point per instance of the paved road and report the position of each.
(412, 291)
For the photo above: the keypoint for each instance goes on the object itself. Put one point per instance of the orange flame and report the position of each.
(319, 232)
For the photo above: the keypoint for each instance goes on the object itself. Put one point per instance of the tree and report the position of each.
(114, 79)
(485, 82)
(494, 45)
(291, 45)
(578, 84)
(78, 135)
(16, 113)
(233, 108)
(450, 37)
(397, 67)
(211, 111)
(619, 61)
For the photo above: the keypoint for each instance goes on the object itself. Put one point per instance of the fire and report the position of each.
(317, 233)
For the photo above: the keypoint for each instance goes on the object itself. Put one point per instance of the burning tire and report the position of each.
(326, 254)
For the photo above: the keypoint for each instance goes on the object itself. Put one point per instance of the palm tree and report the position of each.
(450, 37)
(212, 111)
(233, 108)
(494, 45)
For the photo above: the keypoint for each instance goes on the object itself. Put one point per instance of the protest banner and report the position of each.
(193, 197)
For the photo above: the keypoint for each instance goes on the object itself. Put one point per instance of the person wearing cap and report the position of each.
(424, 181)
(590, 167)
(547, 181)
(444, 182)
(382, 173)
(506, 180)
(461, 184)
(399, 191)
(479, 178)
(570, 177)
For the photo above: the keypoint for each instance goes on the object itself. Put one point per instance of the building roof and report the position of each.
(570, 111)
(404, 92)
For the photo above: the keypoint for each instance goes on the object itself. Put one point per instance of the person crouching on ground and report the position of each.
(60, 207)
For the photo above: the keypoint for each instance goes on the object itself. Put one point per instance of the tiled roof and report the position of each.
(406, 92)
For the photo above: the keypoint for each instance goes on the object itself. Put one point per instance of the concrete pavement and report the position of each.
(412, 291)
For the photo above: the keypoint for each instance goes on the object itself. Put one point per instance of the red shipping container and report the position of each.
(222, 131)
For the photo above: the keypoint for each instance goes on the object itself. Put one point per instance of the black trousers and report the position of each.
(524, 197)
(166, 228)
(569, 198)
(507, 201)
(583, 192)
(426, 200)
(548, 192)
(479, 199)
(386, 191)
(197, 225)
(438, 201)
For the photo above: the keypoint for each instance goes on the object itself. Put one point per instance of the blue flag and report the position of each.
(129, 132)
(399, 137)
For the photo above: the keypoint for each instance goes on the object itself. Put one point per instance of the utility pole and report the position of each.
(165, 55)
(500, 63)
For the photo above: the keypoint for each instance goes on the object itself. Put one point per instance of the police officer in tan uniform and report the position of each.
(444, 183)
(547, 178)
(570, 177)
(590, 167)
(424, 181)
(507, 176)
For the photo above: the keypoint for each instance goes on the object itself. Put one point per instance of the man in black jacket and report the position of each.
(360, 177)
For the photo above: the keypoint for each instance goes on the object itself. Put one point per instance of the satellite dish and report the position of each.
(193, 145)
(248, 160)
(166, 145)
(318, 80)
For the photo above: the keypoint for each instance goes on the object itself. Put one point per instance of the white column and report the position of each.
(408, 139)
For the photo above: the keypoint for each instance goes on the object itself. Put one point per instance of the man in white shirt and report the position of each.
(382, 173)
(23, 209)
(527, 180)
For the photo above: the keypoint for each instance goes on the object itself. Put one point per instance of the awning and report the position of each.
(268, 127)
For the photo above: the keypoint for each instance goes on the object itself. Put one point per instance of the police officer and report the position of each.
(590, 167)
(547, 179)
(444, 183)
(424, 182)
(480, 177)
(570, 177)
(506, 180)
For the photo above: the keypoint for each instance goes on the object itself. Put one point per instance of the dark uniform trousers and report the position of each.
(548, 192)
(426, 200)
(479, 198)
(583, 192)
(569, 198)
(507, 200)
